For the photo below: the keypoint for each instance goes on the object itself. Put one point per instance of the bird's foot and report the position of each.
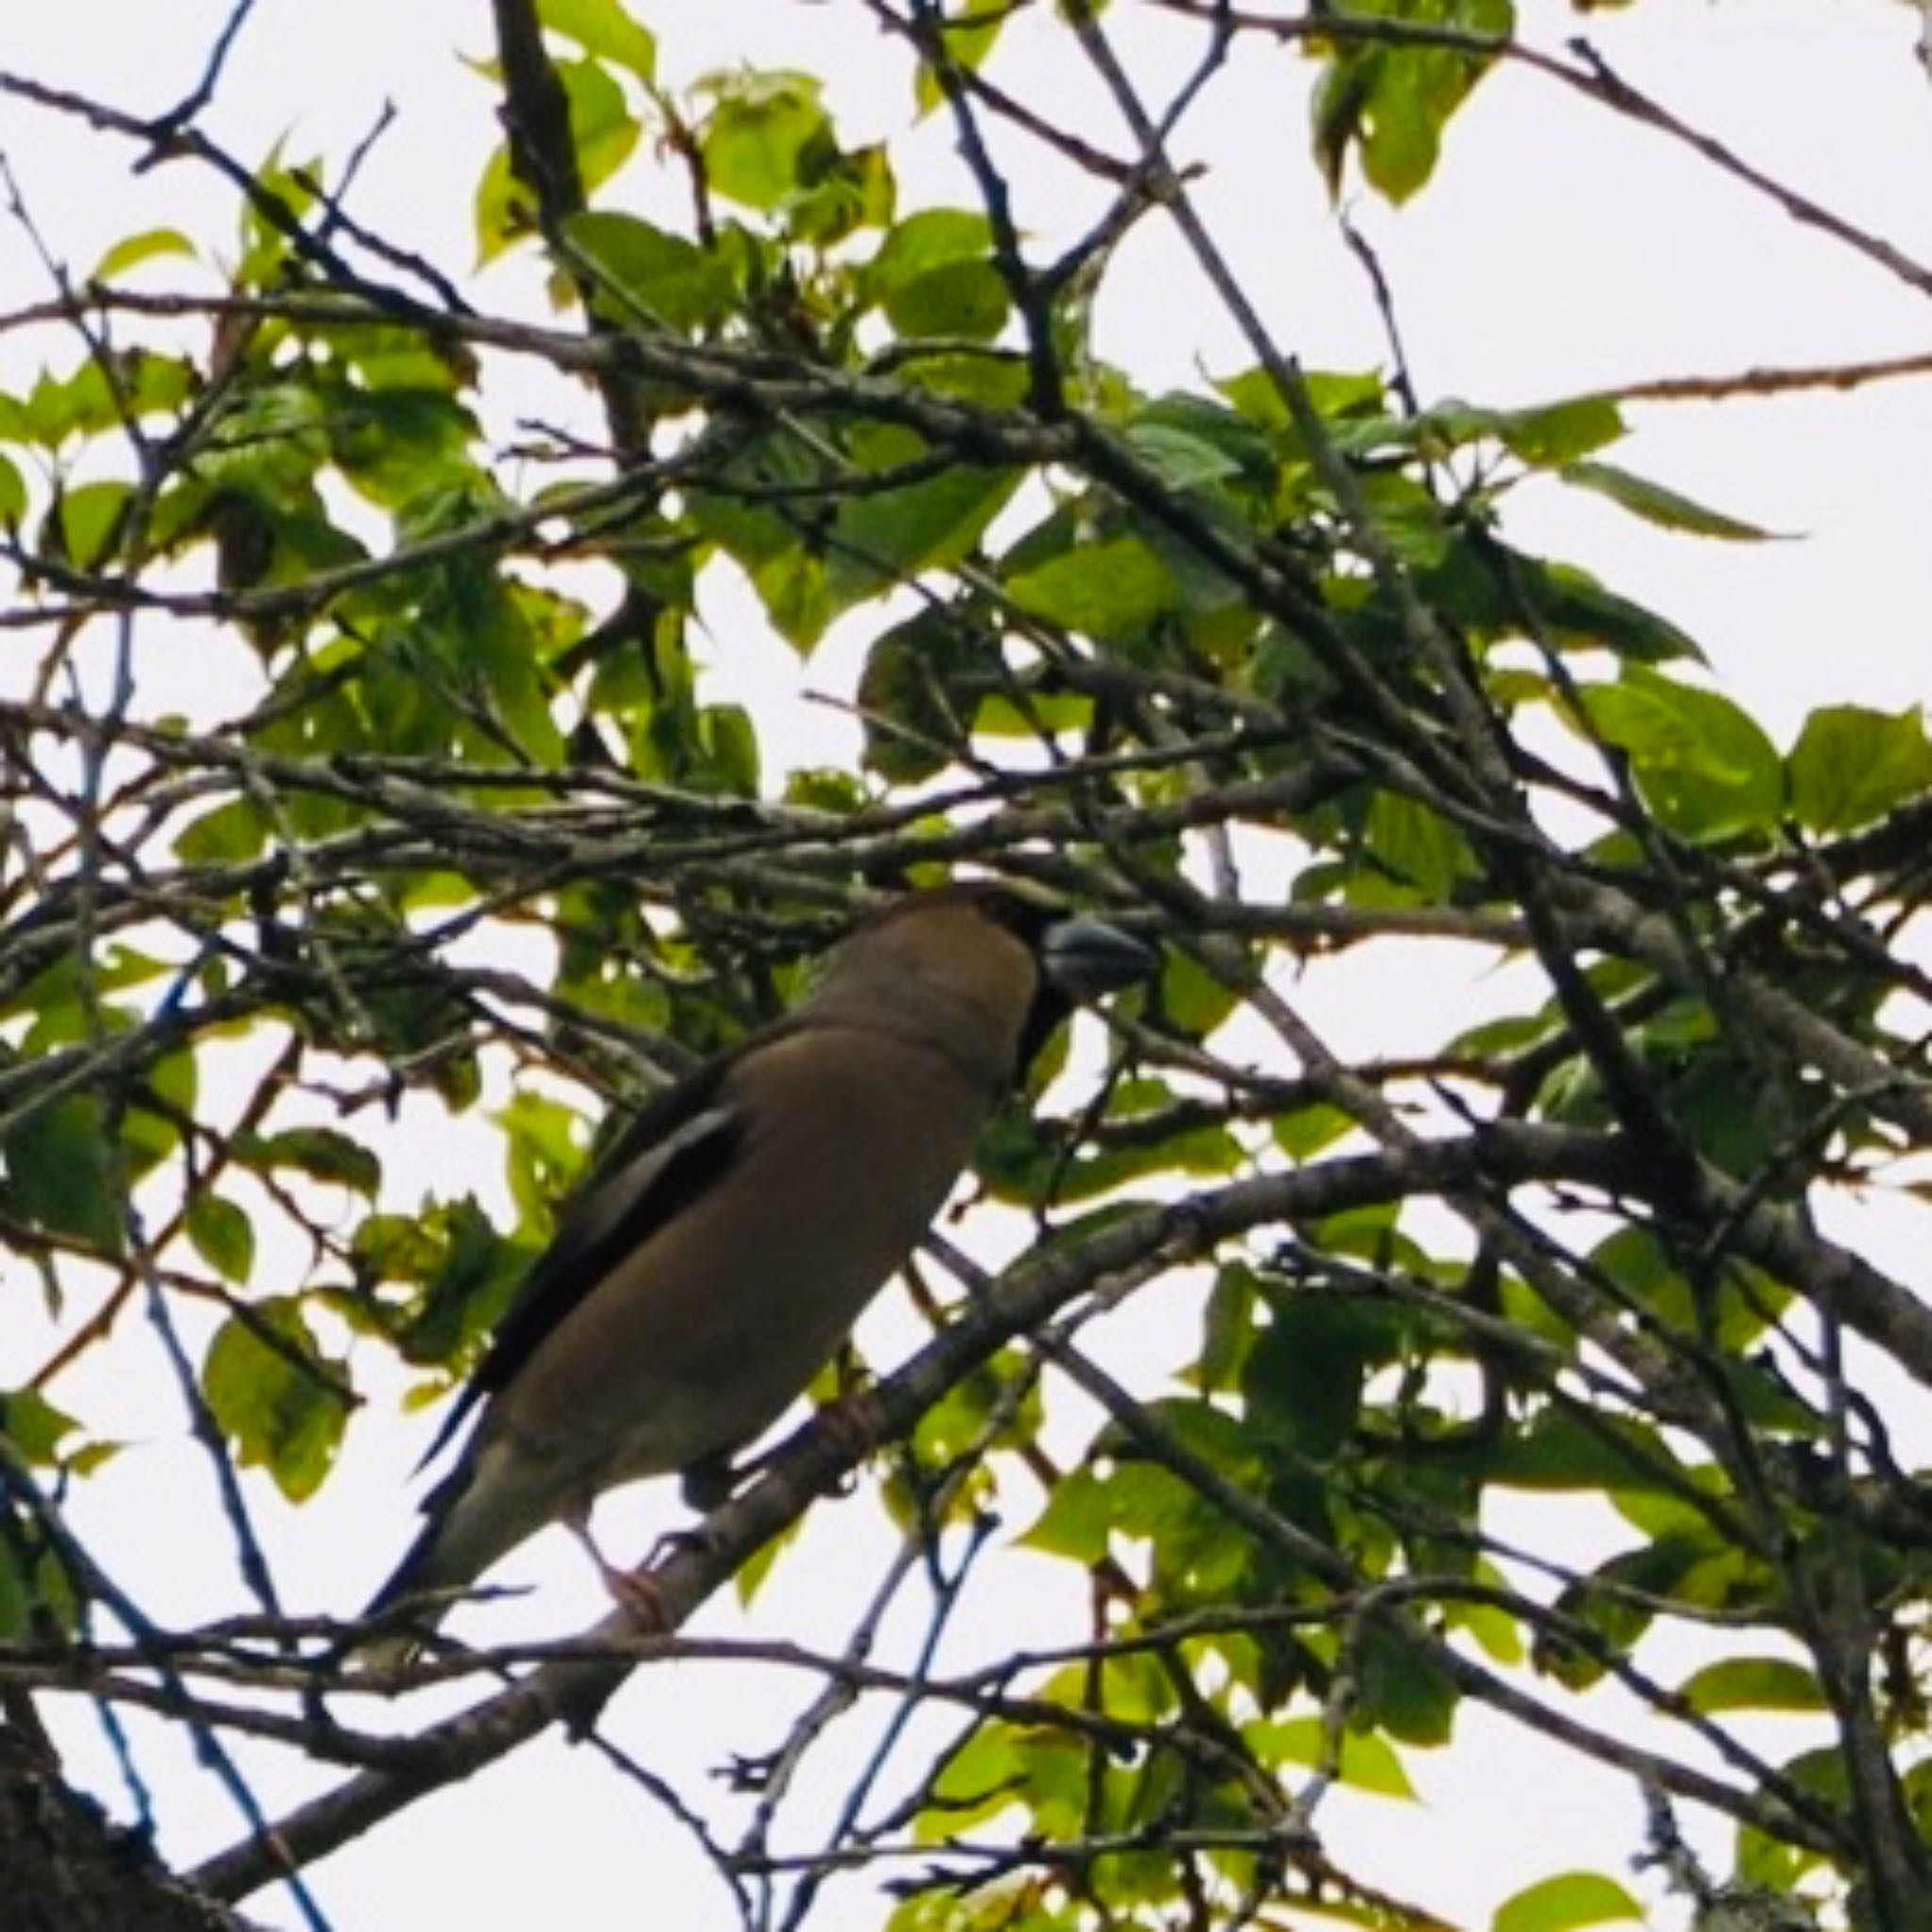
(640, 1598)
(636, 1592)
(851, 1425)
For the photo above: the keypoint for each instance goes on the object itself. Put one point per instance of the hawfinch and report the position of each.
(725, 1249)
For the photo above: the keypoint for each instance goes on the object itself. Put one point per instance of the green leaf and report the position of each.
(1572, 610)
(730, 744)
(984, 1774)
(601, 122)
(1389, 105)
(763, 137)
(59, 406)
(464, 1269)
(1776, 1862)
(603, 29)
(1228, 1328)
(222, 1236)
(1556, 1451)
(1368, 1763)
(1620, 1598)
(1561, 1904)
(957, 1424)
(1404, 1690)
(964, 299)
(934, 277)
(34, 1426)
(1559, 432)
(1850, 766)
(1192, 442)
(1656, 505)
(87, 522)
(1310, 1130)
(1545, 435)
(604, 132)
(994, 378)
(793, 587)
(922, 684)
(267, 1389)
(37, 1599)
(544, 1155)
(672, 280)
(229, 834)
(290, 189)
(134, 249)
(1705, 767)
(933, 238)
(968, 38)
(1180, 461)
(847, 191)
(1306, 1373)
(882, 538)
(1108, 592)
(321, 1153)
(60, 1173)
(1491, 1625)
(1418, 847)
(1753, 1683)
(1192, 998)
(12, 493)
(151, 1123)
(1195, 1559)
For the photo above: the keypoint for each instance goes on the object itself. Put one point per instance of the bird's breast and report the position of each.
(701, 1337)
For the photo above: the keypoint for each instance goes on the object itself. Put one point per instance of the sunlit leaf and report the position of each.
(1760, 1683)
(1108, 590)
(1367, 1764)
(273, 1396)
(1850, 766)
(1656, 505)
(1705, 764)
(665, 276)
(1566, 1903)
(131, 251)
(763, 137)
(605, 28)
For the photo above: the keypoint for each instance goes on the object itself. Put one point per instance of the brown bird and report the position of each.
(726, 1247)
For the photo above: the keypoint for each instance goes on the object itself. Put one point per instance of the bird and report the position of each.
(719, 1254)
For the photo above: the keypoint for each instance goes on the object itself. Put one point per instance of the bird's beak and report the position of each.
(1084, 957)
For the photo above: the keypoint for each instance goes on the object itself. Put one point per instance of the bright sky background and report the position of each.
(1559, 249)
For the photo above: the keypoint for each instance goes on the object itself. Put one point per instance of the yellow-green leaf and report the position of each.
(1753, 1683)
(603, 29)
(134, 249)
(1564, 1902)
(268, 1390)
(1106, 591)
(1850, 766)
(1656, 505)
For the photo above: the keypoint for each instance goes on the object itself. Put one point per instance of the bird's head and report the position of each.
(1010, 951)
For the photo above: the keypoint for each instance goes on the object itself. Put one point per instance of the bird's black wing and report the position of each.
(676, 1148)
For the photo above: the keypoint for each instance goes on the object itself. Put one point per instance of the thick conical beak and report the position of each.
(1084, 957)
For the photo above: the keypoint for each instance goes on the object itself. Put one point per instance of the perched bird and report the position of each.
(726, 1247)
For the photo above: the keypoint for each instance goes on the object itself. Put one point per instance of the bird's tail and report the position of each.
(446, 1559)
(410, 1605)
(480, 1511)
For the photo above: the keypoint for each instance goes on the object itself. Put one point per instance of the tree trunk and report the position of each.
(65, 1868)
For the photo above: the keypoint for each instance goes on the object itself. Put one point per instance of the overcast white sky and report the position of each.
(1559, 249)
